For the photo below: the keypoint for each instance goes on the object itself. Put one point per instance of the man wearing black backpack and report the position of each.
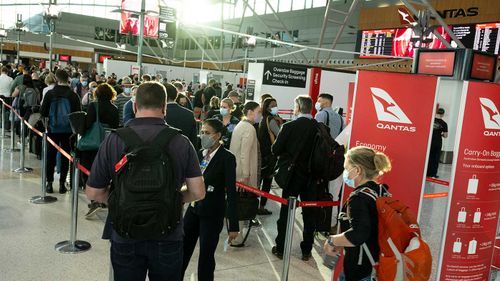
(57, 104)
(335, 124)
(146, 163)
(293, 149)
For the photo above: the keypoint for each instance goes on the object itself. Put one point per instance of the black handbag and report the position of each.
(248, 203)
(323, 215)
(283, 173)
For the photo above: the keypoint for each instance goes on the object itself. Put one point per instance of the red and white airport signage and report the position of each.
(393, 113)
(471, 224)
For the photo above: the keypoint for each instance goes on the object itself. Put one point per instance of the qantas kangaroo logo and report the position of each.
(491, 116)
(387, 109)
(405, 17)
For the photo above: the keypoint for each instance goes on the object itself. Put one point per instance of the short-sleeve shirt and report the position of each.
(440, 127)
(112, 150)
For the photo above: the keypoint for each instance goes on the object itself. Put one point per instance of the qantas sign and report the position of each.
(491, 117)
(405, 16)
(389, 111)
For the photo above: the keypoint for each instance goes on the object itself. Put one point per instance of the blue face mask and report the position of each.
(347, 180)
(274, 111)
(85, 83)
(224, 111)
(127, 91)
(318, 106)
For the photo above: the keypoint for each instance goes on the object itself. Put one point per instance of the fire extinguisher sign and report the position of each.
(473, 207)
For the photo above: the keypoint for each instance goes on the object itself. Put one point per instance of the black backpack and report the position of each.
(145, 202)
(326, 162)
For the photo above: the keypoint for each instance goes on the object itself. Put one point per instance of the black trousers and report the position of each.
(63, 141)
(299, 187)
(207, 229)
(266, 186)
(433, 164)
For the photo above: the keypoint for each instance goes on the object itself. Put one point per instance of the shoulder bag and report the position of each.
(93, 137)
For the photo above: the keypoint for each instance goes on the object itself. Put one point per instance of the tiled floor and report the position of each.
(29, 232)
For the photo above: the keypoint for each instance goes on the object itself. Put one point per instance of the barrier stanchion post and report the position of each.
(2, 112)
(44, 199)
(12, 133)
(73, 246)
(292, 206)
(23, 169)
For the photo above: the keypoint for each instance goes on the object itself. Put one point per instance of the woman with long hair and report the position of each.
(268, 131)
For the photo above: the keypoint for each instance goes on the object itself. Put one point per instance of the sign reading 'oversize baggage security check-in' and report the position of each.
(281, 74)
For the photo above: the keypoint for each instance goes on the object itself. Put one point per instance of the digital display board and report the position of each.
(404, 47)
(102, 58)
(483, 67)
(376, 43)
(129, 21)
(397, 42)
(64, 58)
(436, 63)
(486, 38)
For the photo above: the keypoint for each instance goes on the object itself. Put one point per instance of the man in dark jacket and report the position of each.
(291, 147)
(180, 117)
(37, 83)
(198, 101)
(60, 100)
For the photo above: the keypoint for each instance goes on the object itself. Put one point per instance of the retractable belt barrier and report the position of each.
(437, 194)
(440, 182)
(285, 201)
(57, 147)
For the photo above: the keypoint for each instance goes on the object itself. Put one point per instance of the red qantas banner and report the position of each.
(393, 113)
(474, 201)
(314, 85)
(350, 97)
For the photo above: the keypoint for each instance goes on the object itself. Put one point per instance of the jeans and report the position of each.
(161, 260)
(63, 141)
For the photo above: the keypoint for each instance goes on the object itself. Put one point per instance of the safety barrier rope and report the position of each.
(440, 182)
(55, 145)
(238, 184)
(435, 195)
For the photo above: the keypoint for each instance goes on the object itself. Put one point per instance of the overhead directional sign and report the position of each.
(282, 74)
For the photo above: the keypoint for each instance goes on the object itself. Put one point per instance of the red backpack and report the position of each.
(404, 255)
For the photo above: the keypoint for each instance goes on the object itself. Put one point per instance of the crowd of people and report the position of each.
(215, 140)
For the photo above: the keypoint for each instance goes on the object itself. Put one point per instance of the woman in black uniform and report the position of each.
(205, 219)
(358, 219)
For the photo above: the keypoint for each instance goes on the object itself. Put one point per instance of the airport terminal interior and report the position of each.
(405, 93)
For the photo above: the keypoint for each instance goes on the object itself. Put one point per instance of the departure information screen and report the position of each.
(376, 43)
(486, 38)
(397, 42)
